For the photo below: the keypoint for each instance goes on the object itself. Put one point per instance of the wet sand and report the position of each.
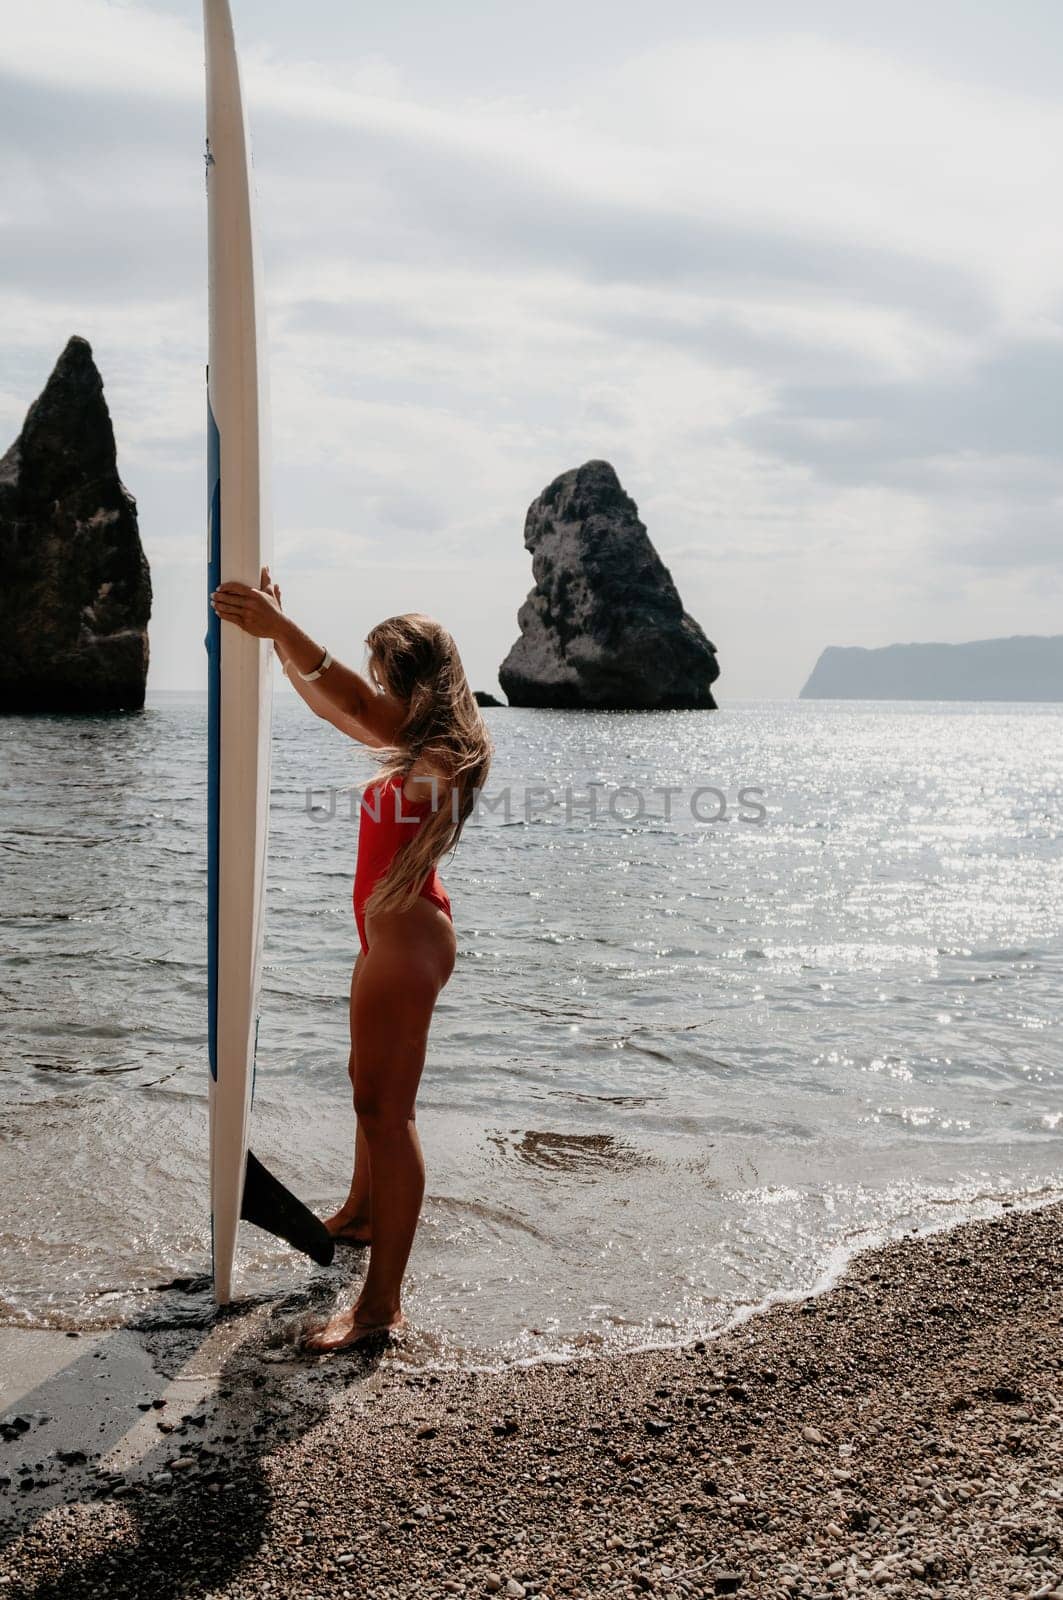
(901, 1434)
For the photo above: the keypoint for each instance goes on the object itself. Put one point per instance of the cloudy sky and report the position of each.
(795, 270)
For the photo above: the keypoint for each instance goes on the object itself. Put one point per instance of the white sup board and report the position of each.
(240, 680)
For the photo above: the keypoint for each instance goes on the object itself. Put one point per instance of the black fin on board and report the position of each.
(269, 1205)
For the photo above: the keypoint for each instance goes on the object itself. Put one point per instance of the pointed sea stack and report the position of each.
(75, 595)
(604, 628)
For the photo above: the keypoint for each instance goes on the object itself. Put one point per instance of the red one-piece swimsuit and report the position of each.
(387, 820)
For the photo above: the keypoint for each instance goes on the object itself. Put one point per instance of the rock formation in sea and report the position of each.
(483, 698)
(604, 628)
(76, 591)
(1024, 667)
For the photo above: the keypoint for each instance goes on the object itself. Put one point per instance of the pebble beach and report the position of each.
(900, 1434)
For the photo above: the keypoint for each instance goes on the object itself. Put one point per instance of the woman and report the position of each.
(420, 710)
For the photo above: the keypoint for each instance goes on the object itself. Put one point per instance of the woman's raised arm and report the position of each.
(321, 705)
(340, 695)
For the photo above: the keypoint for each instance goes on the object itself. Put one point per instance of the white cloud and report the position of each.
(104, 45)
(855, 144)
(801, 292)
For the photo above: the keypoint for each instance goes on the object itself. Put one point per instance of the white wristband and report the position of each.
(308, 677)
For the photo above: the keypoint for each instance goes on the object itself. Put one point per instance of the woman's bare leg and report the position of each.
(410, 959)
(353, 1221)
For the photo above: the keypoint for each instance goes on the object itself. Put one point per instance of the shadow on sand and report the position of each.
(157, 1432)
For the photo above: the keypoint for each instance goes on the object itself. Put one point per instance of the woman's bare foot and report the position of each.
(346, 1329)
(348, 1228)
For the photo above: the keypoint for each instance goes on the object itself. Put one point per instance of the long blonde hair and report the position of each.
(418, 662)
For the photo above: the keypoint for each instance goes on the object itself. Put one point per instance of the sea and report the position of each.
(737, 994)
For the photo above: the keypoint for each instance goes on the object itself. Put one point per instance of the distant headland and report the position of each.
(1023, 667)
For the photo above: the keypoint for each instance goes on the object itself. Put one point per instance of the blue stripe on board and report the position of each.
(213, 644)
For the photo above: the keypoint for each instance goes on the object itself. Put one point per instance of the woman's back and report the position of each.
(388, 820)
